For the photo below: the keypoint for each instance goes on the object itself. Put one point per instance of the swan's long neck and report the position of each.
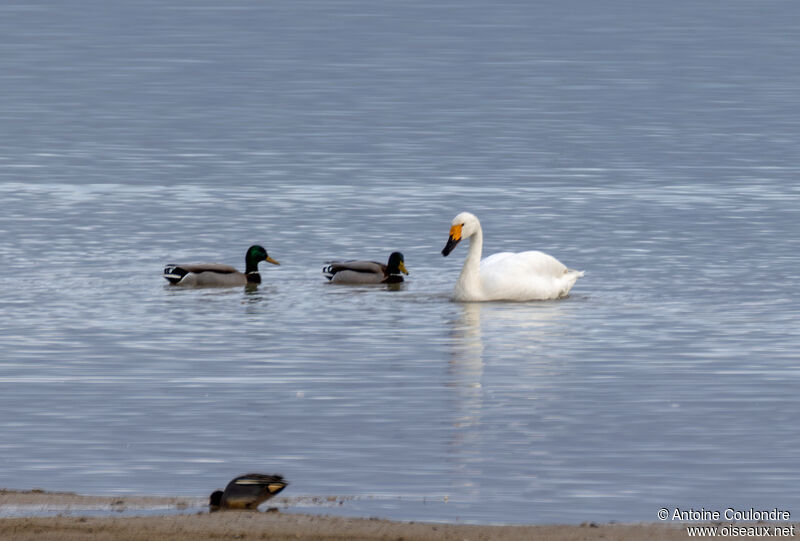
(468, 286)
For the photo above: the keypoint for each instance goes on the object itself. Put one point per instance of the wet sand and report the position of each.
(265, 525)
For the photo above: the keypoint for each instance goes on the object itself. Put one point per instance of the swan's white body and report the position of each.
(507, 276)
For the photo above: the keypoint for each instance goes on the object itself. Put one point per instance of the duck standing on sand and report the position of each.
(217, 274)
(247, 491)
(367, 272)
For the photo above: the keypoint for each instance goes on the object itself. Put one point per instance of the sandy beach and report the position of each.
(264, 525)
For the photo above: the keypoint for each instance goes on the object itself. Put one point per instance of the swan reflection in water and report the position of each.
(465, 378)
(502, 345)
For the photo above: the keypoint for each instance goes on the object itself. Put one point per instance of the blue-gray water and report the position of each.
(652, 145)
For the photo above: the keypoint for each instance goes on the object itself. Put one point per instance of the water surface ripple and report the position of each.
(653, 148)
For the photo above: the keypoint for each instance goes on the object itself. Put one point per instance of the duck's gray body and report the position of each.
(217, 274)
(356, 272)
(205, 275)
(248, 491)
(366, 272)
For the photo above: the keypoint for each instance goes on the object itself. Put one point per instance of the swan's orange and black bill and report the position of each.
(453, 240)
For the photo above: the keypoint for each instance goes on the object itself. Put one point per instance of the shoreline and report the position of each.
(181, 519)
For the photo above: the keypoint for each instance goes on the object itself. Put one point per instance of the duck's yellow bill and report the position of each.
(270, 260)
(402, 267)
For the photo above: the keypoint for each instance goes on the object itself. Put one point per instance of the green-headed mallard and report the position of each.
(247, 491)
(366, 272)
(217, 274)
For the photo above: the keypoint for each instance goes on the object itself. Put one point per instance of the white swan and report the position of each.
(506, 276)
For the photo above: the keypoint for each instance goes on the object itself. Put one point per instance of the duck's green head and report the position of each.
(255, 255)
(396, 263)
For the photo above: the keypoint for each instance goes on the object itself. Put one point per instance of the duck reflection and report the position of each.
(254, 298)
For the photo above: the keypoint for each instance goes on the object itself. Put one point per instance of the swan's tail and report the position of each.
(570, 277)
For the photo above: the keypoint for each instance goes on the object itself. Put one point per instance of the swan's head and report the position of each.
(463, 226)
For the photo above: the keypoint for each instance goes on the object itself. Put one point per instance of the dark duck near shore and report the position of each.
(247, 491)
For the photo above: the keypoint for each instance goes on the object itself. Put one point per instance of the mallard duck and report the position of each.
(247, 491)
(522, 276)
(366, 272)
(217, 274)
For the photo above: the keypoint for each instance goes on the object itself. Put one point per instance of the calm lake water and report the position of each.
(652, 145)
